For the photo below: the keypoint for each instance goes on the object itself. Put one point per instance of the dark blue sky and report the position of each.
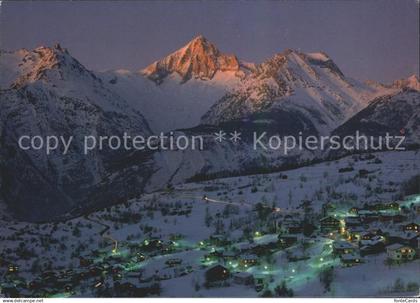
(367, 39)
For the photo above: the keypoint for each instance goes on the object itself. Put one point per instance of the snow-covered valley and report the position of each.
(267, 229)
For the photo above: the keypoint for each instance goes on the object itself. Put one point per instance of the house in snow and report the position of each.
(398, 252)
(244, 278)
(213, 256)
(372, 249)
(286, 240)
(370, 239)
(405, 238)
(343, 247)
(217, 275)
(411, 227)
(329, 224)
(352, 222)
(248, 260)
(354, 233)
(229, 256)
(368, 216)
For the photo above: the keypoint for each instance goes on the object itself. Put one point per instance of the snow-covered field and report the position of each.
(186, 217)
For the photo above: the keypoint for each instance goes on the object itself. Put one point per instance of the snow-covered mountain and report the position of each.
(198, 59)
(200, 84)
(410, 82)
(48, 92)
(197, 90)
(176, 91)
(308, 86)
(290, 93)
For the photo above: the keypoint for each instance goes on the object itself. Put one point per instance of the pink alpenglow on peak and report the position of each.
(198, 59)
(410, 82)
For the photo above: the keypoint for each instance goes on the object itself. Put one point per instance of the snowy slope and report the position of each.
(53, 94)
(171, 104)
(410, 82)
(47, 91)
(396, 114)
(290, 93)
(176, 91)
(198, 59)
(310, 84)
(232, 200)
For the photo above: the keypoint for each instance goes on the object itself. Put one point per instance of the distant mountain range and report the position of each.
(195, 90)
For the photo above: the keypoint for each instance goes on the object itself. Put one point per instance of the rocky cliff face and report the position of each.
(198, 59)
(55, 95)
(410, 82)
(396, 114)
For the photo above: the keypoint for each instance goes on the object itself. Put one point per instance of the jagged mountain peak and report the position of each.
(45, 56)
(201, 41)
(410, 82)
(395, 113)
(413, 77)
(51, 57)
(56, 95)
(309, 83)
(197, 59)
(306, 61)
(42, 63)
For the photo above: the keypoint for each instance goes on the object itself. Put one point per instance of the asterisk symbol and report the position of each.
(220, 136)
(235, 136)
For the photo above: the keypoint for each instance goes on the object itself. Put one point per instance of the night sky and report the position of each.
(376, 40)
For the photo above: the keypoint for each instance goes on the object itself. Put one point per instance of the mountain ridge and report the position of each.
(60, 97)
(47, 91)
(199, 58)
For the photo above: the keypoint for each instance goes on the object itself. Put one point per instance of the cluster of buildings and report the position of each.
(373, 229)
(106, 272)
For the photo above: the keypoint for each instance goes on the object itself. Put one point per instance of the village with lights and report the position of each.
(339, 228)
